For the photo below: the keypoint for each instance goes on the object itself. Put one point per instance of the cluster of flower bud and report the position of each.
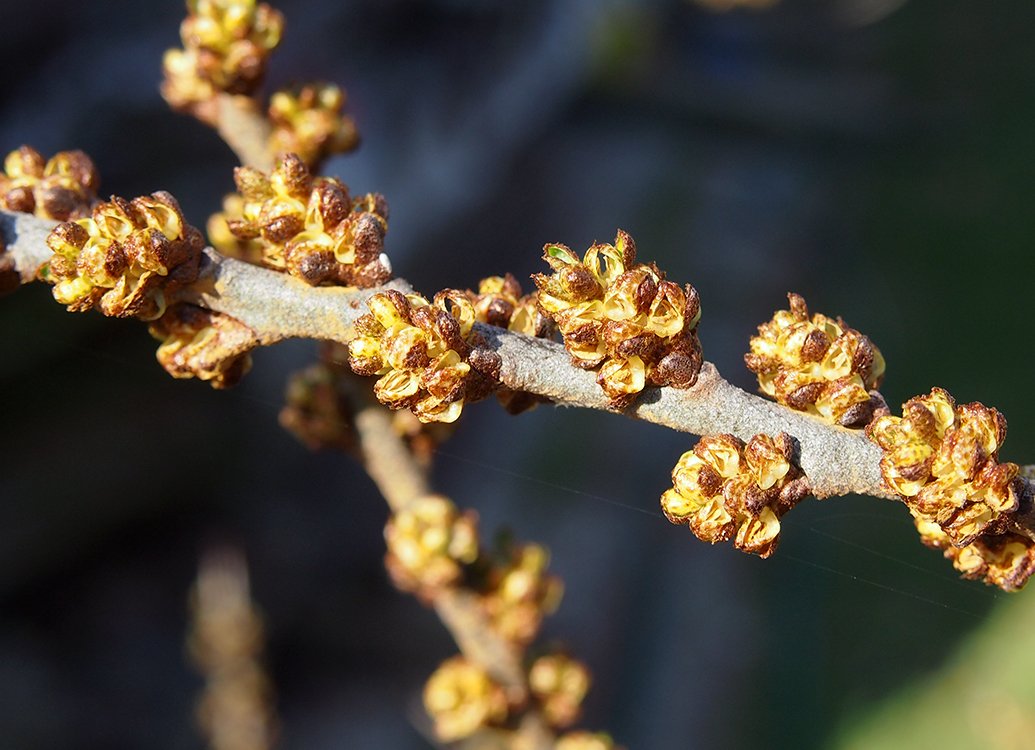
(309, 226)
(942, 459)
(433, 546)
(818, 365)
(61, 188)
(500, 302)
(315, 411)
(308, 121)
(203, 344)
(124, 257)
(724, 489)
(226, 45)
(518, 592)
(623, 317)
(423, 354)
(461, 698)
(559, 684)
(1004, 560)
(429, 542)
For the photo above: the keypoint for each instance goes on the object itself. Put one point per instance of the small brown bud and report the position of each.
(20, 199)
(281, 228)
(290, 177)
(487, 362)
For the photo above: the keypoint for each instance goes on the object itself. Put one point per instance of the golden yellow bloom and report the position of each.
(818, 365)
(623, 317)
(310, 227)
(942, 459)
(519, 592)
(559, 684)
(421, 351)
(226, 44)
(124, 257)
(222, 239)
(199, 343)
(622, 379)
(500, 302)
(461, 698)
(1004, 560)
(429, 542)
(724, 489)
(308, 121)
(61, 188)
(315, 412)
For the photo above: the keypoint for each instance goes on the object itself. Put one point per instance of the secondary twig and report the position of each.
(401, 480)
(246, 130)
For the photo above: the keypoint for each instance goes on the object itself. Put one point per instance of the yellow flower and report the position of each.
(308, 121)
(61, 188)
(198, 343)
(520, 593)
(310, 227)
(124, 257)
(942, 460)
(428, 543)
(461, 698)
(560, 684)
(622, 317)
(724, 489)
(817, 365)
(421, 351)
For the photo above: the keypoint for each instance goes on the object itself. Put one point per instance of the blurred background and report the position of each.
(876, 156)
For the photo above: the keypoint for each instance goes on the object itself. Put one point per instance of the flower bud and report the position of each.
(199, 343)
(519, 593)
(124, 257)
(315, 411)
(724, 489)
(429, 541)
(461, 698)
(308, 121)
(559, 684)
(622, 317)
(61, 188)
(421, 355)
(1004, 560)
(310, 227)
(817, 365)
(225, 49)
(942, 459)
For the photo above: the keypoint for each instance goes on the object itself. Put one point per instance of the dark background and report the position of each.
(872, 155)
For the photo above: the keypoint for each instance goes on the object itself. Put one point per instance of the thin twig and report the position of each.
(245, 129)
(401, 480)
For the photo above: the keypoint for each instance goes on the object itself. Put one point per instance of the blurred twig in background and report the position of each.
(235, 710)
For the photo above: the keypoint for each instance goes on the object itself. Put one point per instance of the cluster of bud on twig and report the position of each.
(617, 317)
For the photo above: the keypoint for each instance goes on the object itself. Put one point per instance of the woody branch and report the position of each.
(275, 306)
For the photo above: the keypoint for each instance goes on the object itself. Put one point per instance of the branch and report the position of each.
(244, 127)
(276, 306)
(401, 480)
